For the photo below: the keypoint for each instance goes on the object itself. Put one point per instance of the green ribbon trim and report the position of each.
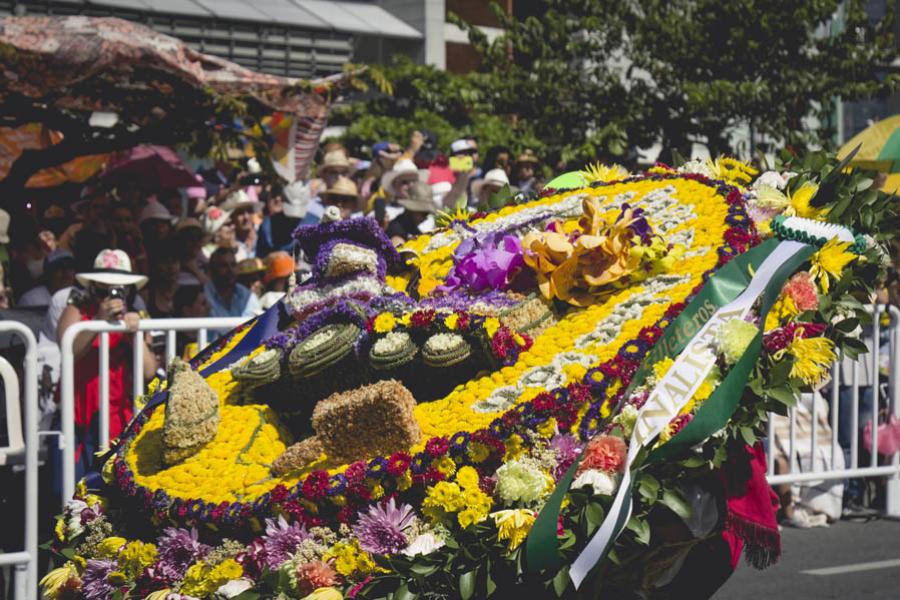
(718, 409)
(542, 546)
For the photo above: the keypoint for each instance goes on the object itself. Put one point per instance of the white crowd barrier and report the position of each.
(102, 329)
(23, 450)
(811, 469)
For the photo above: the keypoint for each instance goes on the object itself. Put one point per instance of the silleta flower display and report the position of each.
(454, 420)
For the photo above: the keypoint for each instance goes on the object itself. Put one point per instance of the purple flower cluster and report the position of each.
(343, 311)
(485, 262)
(361, 231)
(178, 549)
(281, 541)
(94, 580)
(380, 530)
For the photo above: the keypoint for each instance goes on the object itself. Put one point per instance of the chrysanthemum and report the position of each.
(95, 579)
(520, 481)
(800, 201)
(830, 261)
(381, 530)
(179, 548)
(733, 337)
(52, 583)
(513, 525)
(812, 358)
(281, 540)
(567, 449)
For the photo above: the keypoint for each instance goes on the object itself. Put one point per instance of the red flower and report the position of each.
(278, 494)
(437, 446)
(422, 318)
(355, 472)
(398, 463)
(315, 485)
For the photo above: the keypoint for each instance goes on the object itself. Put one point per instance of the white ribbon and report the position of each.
(671, 394)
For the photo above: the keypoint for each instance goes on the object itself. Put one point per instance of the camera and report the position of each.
(116, 291)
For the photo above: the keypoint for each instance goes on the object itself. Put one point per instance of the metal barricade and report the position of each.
(102, 328)
(854, 469)
(24, 562)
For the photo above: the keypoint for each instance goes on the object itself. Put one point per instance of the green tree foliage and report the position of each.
(598, 78)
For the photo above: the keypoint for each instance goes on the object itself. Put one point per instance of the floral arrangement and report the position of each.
(394, 493)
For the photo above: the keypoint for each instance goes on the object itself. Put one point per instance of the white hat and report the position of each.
(4, 227)
(240, 199)
(404, 166)
(461, 145)
(296, 200)
(253, 166)
(497, 177)
(155, 210)
(214, 218)
(112, 267)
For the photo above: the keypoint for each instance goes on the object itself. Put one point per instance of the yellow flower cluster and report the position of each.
(202, 579)
(462, 498)
(349, 559)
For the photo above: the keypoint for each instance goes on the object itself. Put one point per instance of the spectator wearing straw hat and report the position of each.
(111, 291)
(250, 273)
(395, 184)
(417, 207)
(493, 181)
(343, 195)
(243, 211)
(334, 164)
(526, 172)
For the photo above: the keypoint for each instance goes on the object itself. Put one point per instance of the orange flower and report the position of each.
(574, 269)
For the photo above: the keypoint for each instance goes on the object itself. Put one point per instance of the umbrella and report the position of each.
(14, 141)
(153, 167)
(879, 151)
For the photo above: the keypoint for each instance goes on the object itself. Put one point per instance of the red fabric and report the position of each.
(87, 381)
(751, 508)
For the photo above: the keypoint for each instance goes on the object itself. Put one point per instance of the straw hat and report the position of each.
(342, 188)
(420, 199)
(494, 177)
(335, 159)
(527, 157)
(112, 267)
(278, 264)
(404, 166)
(214, 218)
(250, 266)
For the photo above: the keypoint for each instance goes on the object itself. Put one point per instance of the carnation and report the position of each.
(520, 481)
(802, 290)
(424, 545)
(600, 482)
(315, 575)
(733, 337)
(604, 452)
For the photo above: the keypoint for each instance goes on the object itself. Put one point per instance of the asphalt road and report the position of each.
(849, 561)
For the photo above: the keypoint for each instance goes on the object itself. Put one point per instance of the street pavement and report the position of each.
(849, 560)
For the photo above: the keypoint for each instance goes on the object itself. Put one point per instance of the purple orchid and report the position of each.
(488, 262)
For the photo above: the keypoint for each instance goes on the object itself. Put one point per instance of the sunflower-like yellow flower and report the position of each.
(812, 358)
(53, 582)
(830, 262)
(513, 525)
(732, 170)
(800, 202)
(603, 173)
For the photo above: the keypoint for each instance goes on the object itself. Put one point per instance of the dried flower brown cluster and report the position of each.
(192, 414)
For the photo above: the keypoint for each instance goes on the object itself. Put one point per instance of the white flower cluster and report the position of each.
(391, 343)
(301, 298)
(444, 342)
(600, 482)
(345, 259)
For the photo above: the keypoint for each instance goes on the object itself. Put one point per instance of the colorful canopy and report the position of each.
(879, 150)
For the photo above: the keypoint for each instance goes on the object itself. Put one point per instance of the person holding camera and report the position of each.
(110, 293)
